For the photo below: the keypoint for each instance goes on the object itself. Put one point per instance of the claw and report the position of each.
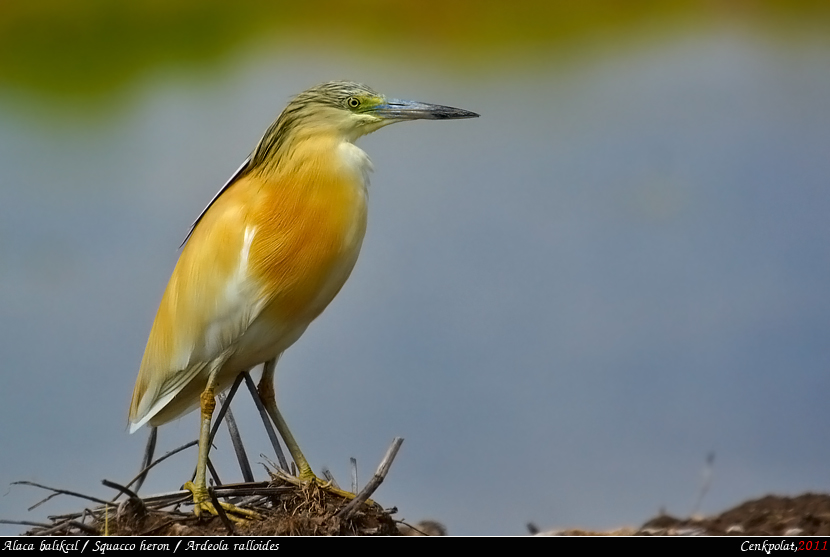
(310, 477)
(202, 503)
(326, 486)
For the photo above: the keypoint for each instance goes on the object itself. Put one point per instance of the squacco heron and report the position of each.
(265, 258)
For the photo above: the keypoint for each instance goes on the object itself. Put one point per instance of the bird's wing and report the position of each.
(239, 171)
(209, 303)
(148, 407)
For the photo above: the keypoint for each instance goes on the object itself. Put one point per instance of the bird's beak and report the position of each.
(396, 109)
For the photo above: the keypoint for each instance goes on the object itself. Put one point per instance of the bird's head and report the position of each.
(353, 109)
(346, 110)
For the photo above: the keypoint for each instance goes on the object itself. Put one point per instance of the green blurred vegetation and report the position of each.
(85, 48)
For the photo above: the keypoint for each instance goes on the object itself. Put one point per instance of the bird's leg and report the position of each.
(266, 421)
(201, 497)
(269, 400)
(208, 405)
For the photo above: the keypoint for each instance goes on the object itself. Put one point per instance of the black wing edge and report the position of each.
(231, 180)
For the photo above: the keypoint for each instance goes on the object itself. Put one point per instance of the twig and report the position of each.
(353, 462)
(238, 447)
(187, 496)
(227, 490)
(213, 473)
(221, 512)
(42, 501)
(80, 525)
(224, 408)
(162, 459)
(25, 523)
(257, 488)
(330, 478)
(149, 451)
(87, 514)
(54, 517)
(141, 509)
(707, 481)
(266, 421)
(437, 528)
(532, 528)
(158, 527)
(52, 528)
(287, 477)
(161, 500)
(58, 492)
(376, 480)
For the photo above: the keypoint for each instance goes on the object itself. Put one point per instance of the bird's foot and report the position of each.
(307, 477)
(327, 486)
(202, 503)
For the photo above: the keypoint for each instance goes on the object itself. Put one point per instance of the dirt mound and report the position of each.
(284, 509)
(805, 515)
(287, 509)
(772, 515)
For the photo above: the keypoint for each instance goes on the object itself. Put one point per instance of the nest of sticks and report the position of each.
(285, 504)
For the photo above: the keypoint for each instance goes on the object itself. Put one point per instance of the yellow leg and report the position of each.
(269, 400)
(201, 497)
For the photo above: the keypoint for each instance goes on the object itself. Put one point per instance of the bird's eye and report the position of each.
(353, 102)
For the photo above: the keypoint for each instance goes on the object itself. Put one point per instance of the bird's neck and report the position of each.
(319, 156)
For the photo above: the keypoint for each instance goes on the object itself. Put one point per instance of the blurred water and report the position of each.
(563, 306)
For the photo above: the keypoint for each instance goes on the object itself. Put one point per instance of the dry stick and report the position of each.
(268, 462)
(221, 512)
(353, 461)
(266, 421)
(50, 528)
(141, 509)
(276, 490)
(531, 528)
(86, 513)
(160, 500)
(415, 528)
(58, 492)
(707, 481)
(158, 528)
(163, 458)
(54, 517)
(56, 528)
(241, 487)
(213, 473)
(225, 407)
(376, 480)
(238, 447)
(330, 478)
(224, 491)
(39, 503)
(25, 523)
(148, 457)
(172, 500)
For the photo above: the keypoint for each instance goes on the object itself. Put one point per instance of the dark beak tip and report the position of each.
(413, 110)
(457, 114)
